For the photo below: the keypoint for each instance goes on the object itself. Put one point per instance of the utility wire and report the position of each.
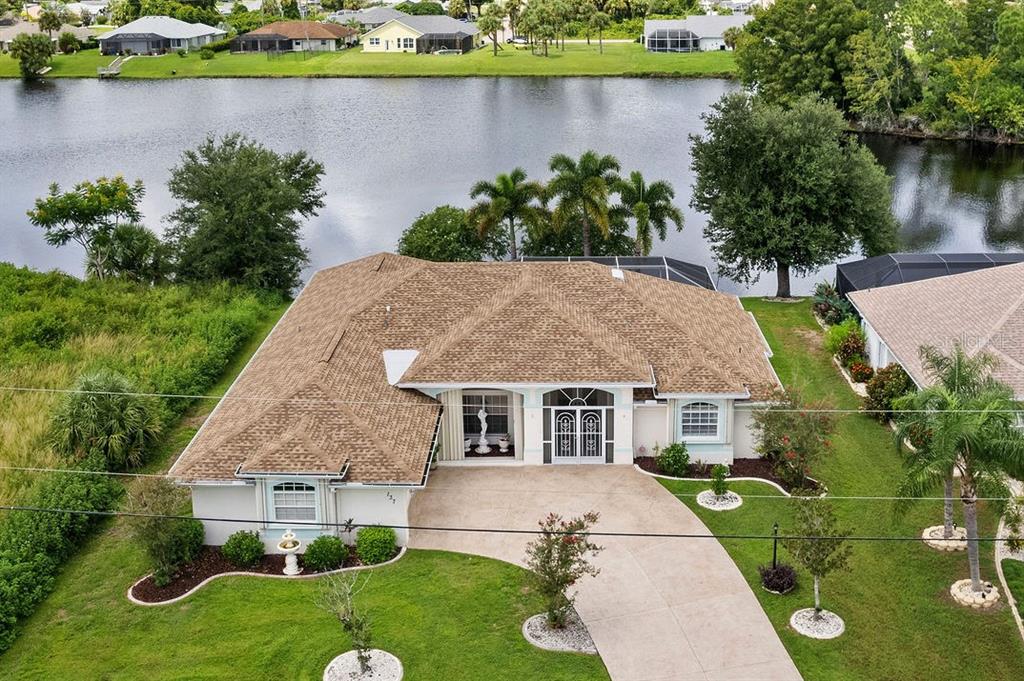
(432, 405)
(480, 530)
(79, 471)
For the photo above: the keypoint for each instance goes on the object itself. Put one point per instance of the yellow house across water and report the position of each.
(422, 34)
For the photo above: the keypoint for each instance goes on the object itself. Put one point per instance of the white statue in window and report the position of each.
(483, 448)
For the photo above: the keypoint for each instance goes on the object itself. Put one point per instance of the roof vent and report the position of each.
(618, 274)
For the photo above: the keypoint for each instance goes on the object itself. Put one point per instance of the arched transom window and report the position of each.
(294, 501)
(699, 420)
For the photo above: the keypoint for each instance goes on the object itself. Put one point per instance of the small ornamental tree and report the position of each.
(337, 596)
(169, 542)
(33, 52)
(793, 435)
(816, 543)
(719, 482)
(557, 558)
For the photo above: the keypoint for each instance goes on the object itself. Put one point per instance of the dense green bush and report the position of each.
(674, 460)
(845, 340)
(34, 545)
(243, 548)
(888, 384)
(222, 45)
(831, 307)
(325, 553)
(206, 54)
(719, 485)
(376, 544)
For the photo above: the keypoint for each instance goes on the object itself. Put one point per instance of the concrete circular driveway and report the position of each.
(661, 609)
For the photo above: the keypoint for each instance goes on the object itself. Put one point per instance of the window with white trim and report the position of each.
(699, 420)
(294, 501)
(408, 43)
(375, 41)
(497, 408)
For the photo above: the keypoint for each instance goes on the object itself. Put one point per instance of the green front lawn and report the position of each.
(1013, 570)
(619, 59)
(901, 623)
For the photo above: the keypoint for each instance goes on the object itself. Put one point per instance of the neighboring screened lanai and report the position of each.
(900, 268)
(432, 42)
(655, 266)
(673, 40)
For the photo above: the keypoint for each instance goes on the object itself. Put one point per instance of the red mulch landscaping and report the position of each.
(740, 468)
(212, 562)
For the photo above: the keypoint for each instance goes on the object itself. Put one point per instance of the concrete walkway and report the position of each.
(661, 609)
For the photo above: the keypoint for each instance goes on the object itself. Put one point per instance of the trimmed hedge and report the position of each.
(325, 553)
(376, 544)
(243, 548)
(34, 545)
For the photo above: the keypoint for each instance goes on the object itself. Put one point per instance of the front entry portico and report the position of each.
(578, 426)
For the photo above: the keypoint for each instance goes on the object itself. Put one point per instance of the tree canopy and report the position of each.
(446, 235)
(239, 215)
(787, 189)
(33, 52)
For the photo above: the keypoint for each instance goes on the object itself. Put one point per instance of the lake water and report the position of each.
(394, 148)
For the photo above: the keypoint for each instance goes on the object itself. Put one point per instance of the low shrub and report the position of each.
(861, 372)
(376, 544)
(206, 54)
(888, 384)
(219, 45)
(780, 579)
(243, 548)
(181, 52)
(852, 348)
(325, 553)
(169, 543)
(830, 307)
(845, 340)
(674, 460)
(719, 484)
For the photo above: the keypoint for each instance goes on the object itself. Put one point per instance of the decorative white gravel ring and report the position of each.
(573, 638)
(713, 502)
(965, 595)
(933, 537)
(383, 667)
(827, 625)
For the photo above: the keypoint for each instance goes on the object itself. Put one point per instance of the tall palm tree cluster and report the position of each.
(578, 196)
(960, 427)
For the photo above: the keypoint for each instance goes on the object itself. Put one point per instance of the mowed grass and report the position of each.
(619, 59)
(901, 623)
(1013, 570)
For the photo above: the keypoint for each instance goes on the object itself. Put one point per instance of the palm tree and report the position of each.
(510, 201)
(958, 373)
(973, 434)
(581, 189)
(651, 206)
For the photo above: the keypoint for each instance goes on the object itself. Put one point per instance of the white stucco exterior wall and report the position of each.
(744, 442)
(652, 428)
(224, 501)
(374, 505)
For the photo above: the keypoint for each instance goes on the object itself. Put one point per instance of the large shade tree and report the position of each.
(239, 215)
(974, 435)
(650, 207)
(509, 203)
(446, 234)
(581, 189)
(787, 188)
(33, 52)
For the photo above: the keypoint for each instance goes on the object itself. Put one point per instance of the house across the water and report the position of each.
(384, 363)
(157, 35)
(700, 33)
(297, 36)
(422, 34)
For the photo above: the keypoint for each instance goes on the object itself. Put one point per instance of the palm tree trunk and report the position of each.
(817, 596)
(971, 521)
(512, 240)
(782, 273)
(947, 508)
(586, 236)
(600, 42)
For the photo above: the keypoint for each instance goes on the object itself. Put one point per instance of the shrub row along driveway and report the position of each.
(661, 608)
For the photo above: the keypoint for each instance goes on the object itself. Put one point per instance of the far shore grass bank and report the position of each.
(578, 59)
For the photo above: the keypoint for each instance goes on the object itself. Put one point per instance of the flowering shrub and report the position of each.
(793, 435)
(861, 372)
(557, 558)
(888, 384)
(845, 341)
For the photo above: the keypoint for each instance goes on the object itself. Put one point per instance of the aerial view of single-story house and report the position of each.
(983, 311)
(900, 268)
(157, 35)
(298, 36)
(700, 33)
(422, 34)
(370, 17)
(386, 363)
(11, 31)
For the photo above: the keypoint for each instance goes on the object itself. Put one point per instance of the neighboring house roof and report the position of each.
(432, 25)
(372, 15)
(900, 268)
(165, 27)
(12, 31)
(653, 265)
(982, 310)
(703, 26)
(317, 394)
(301, 30)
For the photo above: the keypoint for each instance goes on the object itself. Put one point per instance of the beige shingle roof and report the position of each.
(983, 311)
(316, 396)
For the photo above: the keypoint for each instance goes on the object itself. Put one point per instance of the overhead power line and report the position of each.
(479, 530)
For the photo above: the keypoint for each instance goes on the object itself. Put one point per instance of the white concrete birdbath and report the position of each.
(289, 546)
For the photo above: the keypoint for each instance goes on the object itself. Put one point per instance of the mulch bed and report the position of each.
(212, 562)
(740, 468)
